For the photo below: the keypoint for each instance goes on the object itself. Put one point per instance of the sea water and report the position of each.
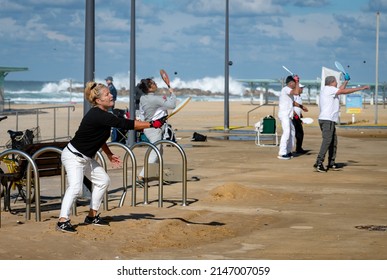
(41, 92)
(63, 91)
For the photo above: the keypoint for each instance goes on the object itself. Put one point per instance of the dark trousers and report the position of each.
(297, 122)
(329, 142)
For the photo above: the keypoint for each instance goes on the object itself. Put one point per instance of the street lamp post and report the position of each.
(377, 68)
(89, 48)
(226, 74)
(132, 82)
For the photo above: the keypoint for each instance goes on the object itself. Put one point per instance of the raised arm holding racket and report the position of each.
(155, 105)
(342, 70)
(329, 104)
(181, 105)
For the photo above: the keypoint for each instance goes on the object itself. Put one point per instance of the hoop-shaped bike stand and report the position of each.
(130, 154)
(161, 167)
(184, 167)
(31, 165)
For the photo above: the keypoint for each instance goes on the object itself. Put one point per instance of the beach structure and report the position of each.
(313, 88)
(4, 71)
(267, 83)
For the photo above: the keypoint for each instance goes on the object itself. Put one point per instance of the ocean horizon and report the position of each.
(67, 91)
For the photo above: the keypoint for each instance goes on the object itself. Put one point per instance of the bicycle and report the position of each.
(15, 178)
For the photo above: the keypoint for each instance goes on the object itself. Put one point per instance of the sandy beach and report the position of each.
(243, 202)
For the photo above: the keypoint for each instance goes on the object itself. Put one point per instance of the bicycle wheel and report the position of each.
(21, 183)
(22, 188)
(3, 182)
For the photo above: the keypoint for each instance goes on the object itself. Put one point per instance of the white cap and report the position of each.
(301, 85)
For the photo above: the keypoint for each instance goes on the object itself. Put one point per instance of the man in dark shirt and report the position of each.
(109, 81)
(112, 88)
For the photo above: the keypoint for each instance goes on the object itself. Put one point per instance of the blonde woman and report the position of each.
(78, 156)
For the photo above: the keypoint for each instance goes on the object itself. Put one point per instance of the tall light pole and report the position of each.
(89, 48)
(226, 74)
(377, 68)
(132, 79)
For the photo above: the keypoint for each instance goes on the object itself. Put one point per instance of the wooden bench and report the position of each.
(48, 163)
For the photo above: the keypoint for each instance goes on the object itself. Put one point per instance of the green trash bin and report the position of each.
(267, 131)
(269, 125)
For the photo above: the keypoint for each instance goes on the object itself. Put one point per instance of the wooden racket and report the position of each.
(165, 78)
(179, 107)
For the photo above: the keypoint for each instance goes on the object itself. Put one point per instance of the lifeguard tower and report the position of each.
(3, 73)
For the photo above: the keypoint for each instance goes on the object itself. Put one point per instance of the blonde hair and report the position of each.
(93, 91)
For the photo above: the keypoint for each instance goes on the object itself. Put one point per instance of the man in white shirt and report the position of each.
(285, 114)
(328, 118)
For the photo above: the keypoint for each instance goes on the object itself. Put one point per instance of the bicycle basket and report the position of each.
(27, 138)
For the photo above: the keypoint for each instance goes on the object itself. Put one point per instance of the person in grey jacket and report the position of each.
(154, 107)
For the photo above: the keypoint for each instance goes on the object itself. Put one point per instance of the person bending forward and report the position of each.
(78, 156)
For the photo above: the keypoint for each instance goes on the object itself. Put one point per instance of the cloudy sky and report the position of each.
(187, 37)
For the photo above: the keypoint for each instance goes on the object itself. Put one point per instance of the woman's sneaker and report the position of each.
(286, 157)
(290, 155)
(97, 221)
(65, 227)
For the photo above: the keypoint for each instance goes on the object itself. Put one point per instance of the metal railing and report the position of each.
(39, 111)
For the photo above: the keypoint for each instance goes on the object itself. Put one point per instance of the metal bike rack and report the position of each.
(32, 166)
(154, 148)
(63, 174)
(32, 163)
(184, 167)
(37, 184)
(125, 172)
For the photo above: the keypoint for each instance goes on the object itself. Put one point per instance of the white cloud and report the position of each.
(7, 5)
(188, 36)
(11, 27)
(205, 40)
(56, 36)
(205, 7)
(254, 6)
(312, 28)
(109, 21)
(168, 32)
